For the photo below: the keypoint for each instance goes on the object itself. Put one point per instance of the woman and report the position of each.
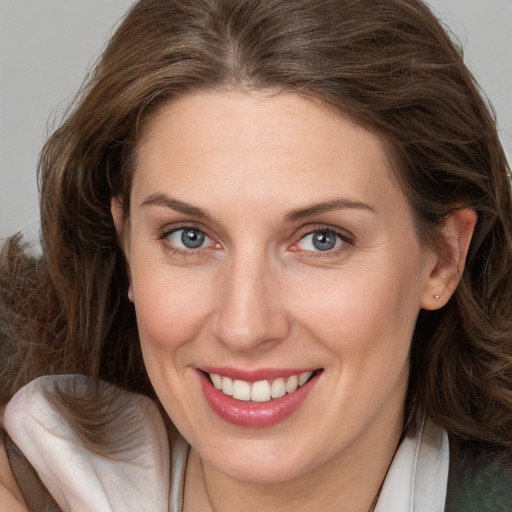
(288, 225)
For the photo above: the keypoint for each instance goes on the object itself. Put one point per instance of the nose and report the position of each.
(251, 315)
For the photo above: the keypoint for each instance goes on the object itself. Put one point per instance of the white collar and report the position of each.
(418, 476)
(138, 477)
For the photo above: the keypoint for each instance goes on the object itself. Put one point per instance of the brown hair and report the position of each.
(386, 63)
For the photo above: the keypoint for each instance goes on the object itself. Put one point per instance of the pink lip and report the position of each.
(253, 414)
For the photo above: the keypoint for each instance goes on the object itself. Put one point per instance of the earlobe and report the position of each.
(449, 258)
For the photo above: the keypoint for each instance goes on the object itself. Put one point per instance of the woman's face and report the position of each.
(267, 240)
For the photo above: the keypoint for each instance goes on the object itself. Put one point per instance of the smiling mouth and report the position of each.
(262, 390)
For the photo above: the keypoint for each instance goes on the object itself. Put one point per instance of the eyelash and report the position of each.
(347, 240)
(167, 244)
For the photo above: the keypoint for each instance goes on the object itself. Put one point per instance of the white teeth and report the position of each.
(261, 391)
(227, 386)
(278, 388)
(217, 380)
(292, 384)
(241, 390)
(304, 377)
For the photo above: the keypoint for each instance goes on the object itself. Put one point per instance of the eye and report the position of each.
(320, 240)
(188, 238)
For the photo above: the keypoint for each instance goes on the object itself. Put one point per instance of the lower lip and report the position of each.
(255, 414)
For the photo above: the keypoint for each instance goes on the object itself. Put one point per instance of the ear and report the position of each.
(449, 258)
(116, 209)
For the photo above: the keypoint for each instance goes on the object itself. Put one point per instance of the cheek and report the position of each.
(170, 307)
(365, 317)
(171, 310)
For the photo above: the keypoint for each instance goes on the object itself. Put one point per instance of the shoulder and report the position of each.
(10, 495)
(480, 479)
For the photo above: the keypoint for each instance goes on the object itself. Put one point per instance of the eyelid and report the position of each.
(169, 229)
(176, 226)
(346, 237)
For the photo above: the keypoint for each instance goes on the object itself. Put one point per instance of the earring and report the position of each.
(436, 297)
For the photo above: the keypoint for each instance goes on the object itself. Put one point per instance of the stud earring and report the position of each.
(436, 297)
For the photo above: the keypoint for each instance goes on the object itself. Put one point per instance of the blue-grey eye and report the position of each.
(192, 238)
(320, 240)
(188, 238)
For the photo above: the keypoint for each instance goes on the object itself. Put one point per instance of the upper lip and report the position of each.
(254, 375)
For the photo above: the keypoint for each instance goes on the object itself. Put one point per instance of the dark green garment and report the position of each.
(478, 481)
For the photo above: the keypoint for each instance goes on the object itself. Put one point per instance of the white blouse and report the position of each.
(137, 477)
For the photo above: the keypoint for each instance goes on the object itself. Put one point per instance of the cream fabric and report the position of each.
(80, 480)
(139, 478)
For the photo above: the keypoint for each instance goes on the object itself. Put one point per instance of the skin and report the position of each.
(258, 294)
(11, 499)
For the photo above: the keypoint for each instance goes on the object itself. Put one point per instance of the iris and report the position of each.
(324, 240)
(192, 238)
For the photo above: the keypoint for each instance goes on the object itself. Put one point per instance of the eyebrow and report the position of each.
(333, 204)
(160, 199)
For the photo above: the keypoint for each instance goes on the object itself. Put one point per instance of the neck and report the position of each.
(349, 482)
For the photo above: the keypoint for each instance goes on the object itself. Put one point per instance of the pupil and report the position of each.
(324, 240)
(192, 238)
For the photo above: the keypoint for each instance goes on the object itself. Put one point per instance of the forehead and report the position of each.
(259, 146)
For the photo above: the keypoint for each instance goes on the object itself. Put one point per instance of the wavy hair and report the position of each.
(390, 66)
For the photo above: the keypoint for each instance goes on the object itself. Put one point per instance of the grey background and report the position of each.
(46, 47)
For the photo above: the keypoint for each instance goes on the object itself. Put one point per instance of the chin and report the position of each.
(256, 461)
